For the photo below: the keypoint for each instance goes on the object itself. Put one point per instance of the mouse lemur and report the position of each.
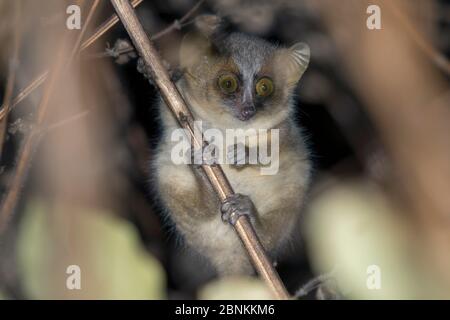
(235, 81)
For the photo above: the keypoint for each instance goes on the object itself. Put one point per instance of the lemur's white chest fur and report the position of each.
(278, 199)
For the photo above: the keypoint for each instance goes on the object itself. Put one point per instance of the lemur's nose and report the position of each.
(248, 112)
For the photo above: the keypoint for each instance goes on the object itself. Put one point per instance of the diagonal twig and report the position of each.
(39, 80)
(31, 141)
(9, 90)
(175, 25)
(424, 44)
(63, 122)
(108, 24)
(80, 37)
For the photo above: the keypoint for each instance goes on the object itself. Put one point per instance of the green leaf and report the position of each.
(353, 228)
(107, 249)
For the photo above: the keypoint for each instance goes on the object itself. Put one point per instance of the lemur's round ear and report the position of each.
(301, 54)
(201, 42)
(294, 61)
(194, 47)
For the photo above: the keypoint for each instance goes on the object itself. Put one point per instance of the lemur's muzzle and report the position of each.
(247, 112)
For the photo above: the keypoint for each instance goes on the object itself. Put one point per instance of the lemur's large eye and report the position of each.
(228, 83)
(264, 87)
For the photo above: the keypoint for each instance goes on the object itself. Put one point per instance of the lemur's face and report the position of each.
(243, 92)
(247, 77)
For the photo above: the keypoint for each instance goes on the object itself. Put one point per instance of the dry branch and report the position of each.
(182, 113)
(422, 42)
(77, 46)
(111, 22)
(31, 141)
(176, 25)
(9, 90)
(38, 81)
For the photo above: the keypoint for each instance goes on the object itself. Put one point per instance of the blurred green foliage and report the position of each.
(241, 288)
(353, 226)
(113, 263)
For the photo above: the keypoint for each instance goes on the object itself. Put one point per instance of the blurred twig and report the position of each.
(38, 81)
(438, 58)
(176, 25)
(32, 140)
(61, 123)
(9, 90)
(108, 24)
(315, 283)
(80, 37)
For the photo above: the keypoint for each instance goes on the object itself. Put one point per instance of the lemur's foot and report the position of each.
(237, 205)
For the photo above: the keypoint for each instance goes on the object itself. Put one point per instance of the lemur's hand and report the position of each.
(206, 155)
(237, 205)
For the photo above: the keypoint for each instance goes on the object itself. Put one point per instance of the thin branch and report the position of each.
(182, 113)
(314, 283)
(32, 139)
(111, 22)
(77, 46)
(9, 90)
(175, 25)
(63, 122)
(38, 81)
(438, 58)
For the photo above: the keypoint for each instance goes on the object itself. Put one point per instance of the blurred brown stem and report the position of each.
(38, 81)
(9, 90)
(176, 25)
(438, 58)
(32, 139)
